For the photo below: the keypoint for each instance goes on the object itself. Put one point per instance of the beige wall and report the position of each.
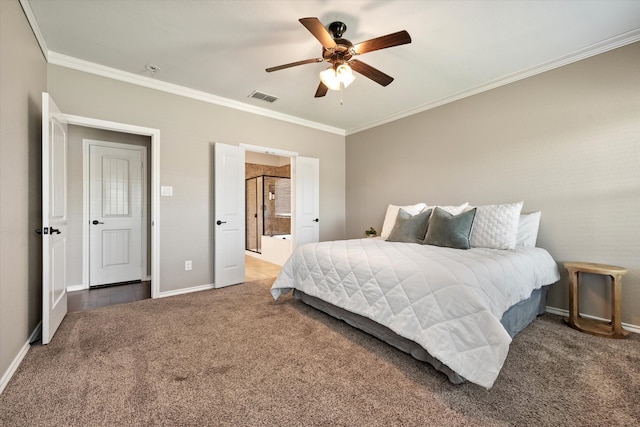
(188, 129)
(22, 80)
(567, 142)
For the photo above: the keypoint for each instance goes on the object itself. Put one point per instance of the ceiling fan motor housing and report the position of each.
(344, 48)
(341, 53)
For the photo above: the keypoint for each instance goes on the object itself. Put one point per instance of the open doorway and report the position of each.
(268, 201)
(229, 207)
(83, 292)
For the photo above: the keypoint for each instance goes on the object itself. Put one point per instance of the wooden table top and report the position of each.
(591, 267)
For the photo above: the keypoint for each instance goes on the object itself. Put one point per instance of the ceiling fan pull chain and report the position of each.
(341, 93)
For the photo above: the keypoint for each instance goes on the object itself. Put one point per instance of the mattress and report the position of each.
(448, 301)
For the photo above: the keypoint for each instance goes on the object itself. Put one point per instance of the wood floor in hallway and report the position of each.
(89, 299)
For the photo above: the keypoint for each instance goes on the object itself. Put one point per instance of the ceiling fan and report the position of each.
(340, 52)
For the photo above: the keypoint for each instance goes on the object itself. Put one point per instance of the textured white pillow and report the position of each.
(392, 213)
(528, 229)
(496, 226)
(453, 210)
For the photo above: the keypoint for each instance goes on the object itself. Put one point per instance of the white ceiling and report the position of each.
(223, 47)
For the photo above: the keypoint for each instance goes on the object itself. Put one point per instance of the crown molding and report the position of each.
(89, 67)
(587, 52)
(148, 82)
(31, 18)
(112, 73)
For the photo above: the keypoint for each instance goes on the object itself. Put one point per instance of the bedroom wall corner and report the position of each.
(566, 141)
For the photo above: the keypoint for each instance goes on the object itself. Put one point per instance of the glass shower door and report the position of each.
(253, 217)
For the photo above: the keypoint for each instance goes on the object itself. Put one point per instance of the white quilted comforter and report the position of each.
(449, 301)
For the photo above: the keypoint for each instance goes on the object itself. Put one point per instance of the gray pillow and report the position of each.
(409, 228)
(448, 230)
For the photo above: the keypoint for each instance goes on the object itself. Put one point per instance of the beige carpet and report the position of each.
(235, 357)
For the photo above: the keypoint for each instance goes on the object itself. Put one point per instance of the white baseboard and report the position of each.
(36, 335)
(18, 359)
(185, 291)
(565, 313)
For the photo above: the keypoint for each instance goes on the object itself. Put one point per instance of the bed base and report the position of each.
(515, 319)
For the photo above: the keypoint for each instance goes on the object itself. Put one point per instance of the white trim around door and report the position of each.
(154, 215)
(267, 150)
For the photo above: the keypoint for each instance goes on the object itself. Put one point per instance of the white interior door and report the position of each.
(229, 215)
(116, 201)
(54, 217)
(307, 199)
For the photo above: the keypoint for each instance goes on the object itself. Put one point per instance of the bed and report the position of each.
(455, 309)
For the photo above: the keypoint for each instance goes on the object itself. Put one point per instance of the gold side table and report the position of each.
(611, 329)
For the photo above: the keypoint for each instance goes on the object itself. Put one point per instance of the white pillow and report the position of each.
(392, 213)
(528, 229)
(496, 226)
(453, 210)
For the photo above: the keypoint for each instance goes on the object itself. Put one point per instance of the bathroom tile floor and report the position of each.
(256, 269)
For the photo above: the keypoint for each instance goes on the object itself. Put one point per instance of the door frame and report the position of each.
(265, 150)
(154, 215)
(86, 232)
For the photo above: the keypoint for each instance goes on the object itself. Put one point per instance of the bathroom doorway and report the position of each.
(229, 210)
(268, 209)
(268, 206)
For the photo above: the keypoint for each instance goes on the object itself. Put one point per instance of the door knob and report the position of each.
(96, 222)
(316, 220)
(220, 222)
(47, 230)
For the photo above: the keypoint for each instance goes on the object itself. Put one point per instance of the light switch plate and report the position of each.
(166, 190)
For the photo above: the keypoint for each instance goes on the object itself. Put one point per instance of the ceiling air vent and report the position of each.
(263, 96)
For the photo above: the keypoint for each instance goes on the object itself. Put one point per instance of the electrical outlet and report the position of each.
(188, 265)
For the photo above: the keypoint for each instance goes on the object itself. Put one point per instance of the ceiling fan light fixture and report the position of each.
(338, 77)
